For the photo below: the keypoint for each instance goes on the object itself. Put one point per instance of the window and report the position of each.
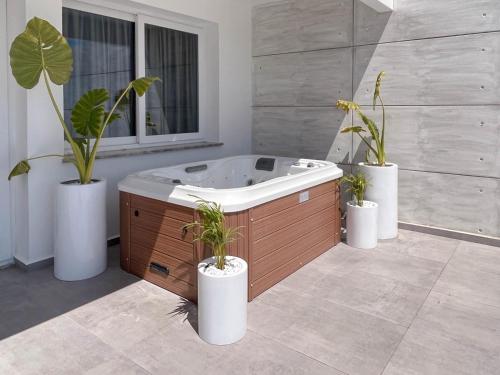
(103, 57)
(172, 55)
(111, 48)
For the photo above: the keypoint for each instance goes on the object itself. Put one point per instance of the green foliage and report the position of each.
(88, 113)
(42, 50)
(213, 230)
(375, 135)
(356, 184)
(141, 85)
(21, 168)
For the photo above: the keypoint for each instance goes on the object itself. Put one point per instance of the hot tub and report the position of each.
(288, 211)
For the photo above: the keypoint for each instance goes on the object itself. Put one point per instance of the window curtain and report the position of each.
(104, 57)
(172, 104)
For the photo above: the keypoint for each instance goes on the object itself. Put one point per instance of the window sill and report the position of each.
(145, 150)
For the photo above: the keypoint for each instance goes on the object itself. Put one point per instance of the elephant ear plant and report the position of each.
(213, 230)
(41, 50)
(356, 184)
(377, 135)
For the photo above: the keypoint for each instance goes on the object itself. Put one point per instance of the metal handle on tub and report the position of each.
(155, 267)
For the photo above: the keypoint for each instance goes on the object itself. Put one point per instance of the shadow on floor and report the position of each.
(30, 298)
(188, 310)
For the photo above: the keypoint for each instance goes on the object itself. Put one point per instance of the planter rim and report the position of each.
(95, 181)
(387, 165)
(366, 205)
(211, 260)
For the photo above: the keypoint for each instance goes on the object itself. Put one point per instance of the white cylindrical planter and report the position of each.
(80, 236)
(362, 225)
(383, 190)
(222, 301)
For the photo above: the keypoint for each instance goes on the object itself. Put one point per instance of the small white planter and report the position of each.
(222, 301)
(383, 190)
(362, 225)
(80, 236)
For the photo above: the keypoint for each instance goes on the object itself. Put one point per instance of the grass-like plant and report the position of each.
(41, 50)
(212, 230)
(356, 184)
(377, 136)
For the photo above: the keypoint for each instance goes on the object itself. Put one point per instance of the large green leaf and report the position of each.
(21, 168)
(40, 47)
(88, 113)
(372, 127)
(141, 85)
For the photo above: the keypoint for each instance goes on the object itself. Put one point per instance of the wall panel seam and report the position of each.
(354, 45)
(426, 38)
(303, 51)
(434, 172)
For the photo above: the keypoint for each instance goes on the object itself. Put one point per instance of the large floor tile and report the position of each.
(31, 298)
(348, 340)
(416, 271)
(421, 245)
(256, 354)
(387, 298)
(450, 336)
(472, 273)
(477, 258)
(177, 349)
(58, 346)
(136, 312)
(464, 319)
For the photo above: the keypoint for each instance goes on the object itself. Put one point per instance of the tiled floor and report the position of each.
(416, 305)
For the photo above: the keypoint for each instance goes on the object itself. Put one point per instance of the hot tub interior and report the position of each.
(236, 172)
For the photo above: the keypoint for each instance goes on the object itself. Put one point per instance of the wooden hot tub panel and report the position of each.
(277, 239)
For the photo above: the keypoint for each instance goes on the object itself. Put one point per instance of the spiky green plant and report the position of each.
(41, 50)
(356, 184)
(377, 136)
(212, 230)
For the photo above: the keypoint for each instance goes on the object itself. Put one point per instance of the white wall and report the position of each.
(35, 205)
(5, 242)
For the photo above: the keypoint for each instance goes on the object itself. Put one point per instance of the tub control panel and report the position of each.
(304, 196)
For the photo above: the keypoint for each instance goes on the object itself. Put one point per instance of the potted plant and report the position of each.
(383, 176)
(80, 245)
(222, 279)
(362, 215)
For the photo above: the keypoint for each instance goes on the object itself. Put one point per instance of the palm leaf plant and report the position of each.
(42, 51)
(376, 135)
(212, 230)
(356, 184)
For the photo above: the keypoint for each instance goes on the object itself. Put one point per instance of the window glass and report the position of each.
(104, 57)
(172, 104)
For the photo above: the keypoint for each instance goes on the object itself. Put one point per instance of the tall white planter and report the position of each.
(80, 235)
(383, 190)
(362, 225)
(222, 301)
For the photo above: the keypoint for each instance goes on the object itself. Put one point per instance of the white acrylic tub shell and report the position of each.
(226, 181)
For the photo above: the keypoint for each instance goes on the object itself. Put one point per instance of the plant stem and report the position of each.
(46, 156)
(79, 162)
(381, 158)
(369, 145)
(91, 159)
